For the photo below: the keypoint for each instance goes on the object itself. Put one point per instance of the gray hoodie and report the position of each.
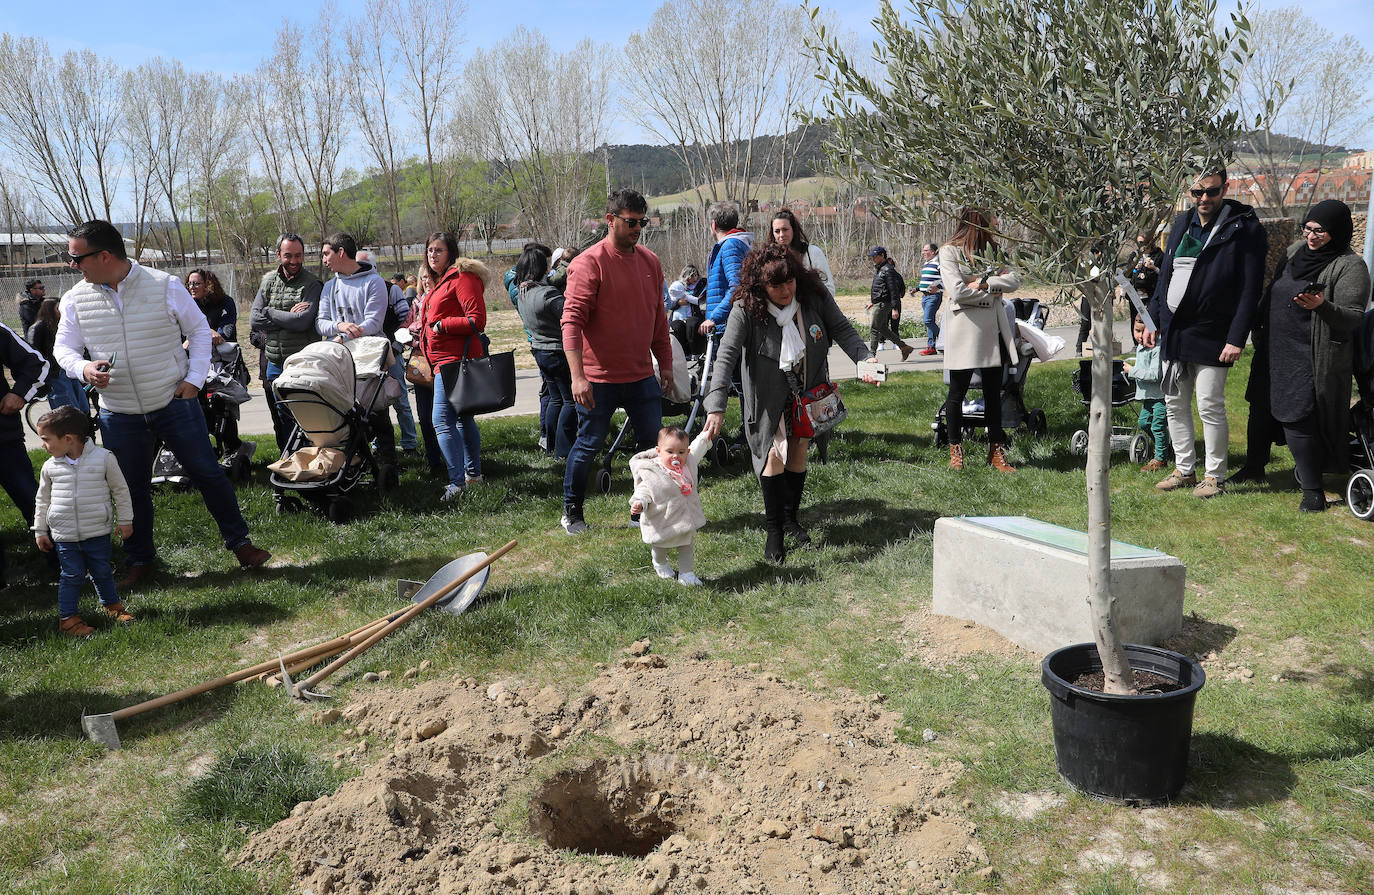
(359, 297)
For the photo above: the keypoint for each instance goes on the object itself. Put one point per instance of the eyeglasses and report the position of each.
(77, 259)
(1315, 231)
(633, 222)
(1211, 192)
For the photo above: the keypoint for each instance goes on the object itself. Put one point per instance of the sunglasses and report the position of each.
(77, 259)
(632, 222)
(1315, 231)
(1211, 192)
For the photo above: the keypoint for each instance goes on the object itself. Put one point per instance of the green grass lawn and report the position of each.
(1281, 782)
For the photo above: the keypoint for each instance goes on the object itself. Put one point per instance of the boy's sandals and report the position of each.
(117, 612)
(73, 626)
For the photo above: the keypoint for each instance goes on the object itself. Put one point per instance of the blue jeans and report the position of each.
(560, 419)
(930, 307)
(410, 439)
(77, 559)
(181, 427)
(64, 391)
(282, 423)
(642, 402)
(459, 440)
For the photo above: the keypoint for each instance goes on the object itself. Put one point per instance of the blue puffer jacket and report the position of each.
(1219, 306)
(723, 273)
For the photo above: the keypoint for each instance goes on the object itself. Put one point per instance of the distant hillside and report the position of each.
(657, 171)
(1285, 146)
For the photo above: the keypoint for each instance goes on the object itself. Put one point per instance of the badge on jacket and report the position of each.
(815, 331)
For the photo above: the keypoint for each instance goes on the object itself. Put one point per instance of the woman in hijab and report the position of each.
(1313, 307)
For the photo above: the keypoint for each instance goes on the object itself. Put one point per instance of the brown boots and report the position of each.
(997, 458)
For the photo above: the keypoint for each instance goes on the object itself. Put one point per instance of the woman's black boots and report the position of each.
(796, 483)
(775, 496)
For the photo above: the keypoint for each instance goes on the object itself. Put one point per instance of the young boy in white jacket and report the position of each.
(665, 496)
(72, 513)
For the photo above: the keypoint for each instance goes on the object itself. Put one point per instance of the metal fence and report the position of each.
(11, 287)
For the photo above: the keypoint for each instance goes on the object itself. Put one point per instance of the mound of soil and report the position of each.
(698, 777)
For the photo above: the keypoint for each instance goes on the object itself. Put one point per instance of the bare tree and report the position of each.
(371, 94)
(155, 101)
(306, 74)
(713, 102)
(214, 110)
(271, 146)
(1304, 91)
(429, 32)
(58, 122)
(543, 144)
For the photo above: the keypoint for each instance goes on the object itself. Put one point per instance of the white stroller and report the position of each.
(330, 389)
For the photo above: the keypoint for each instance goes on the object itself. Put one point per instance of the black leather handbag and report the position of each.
(477, 385)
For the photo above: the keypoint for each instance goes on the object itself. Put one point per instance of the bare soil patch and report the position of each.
(652, 778)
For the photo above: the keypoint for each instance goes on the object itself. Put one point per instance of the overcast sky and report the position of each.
(235, 37)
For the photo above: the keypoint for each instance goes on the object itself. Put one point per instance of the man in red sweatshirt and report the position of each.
(613, 318)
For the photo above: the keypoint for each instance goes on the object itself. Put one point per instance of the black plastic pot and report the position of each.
(1132, 747)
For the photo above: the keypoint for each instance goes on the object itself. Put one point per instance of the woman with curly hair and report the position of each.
(216, 304)
(781, 325)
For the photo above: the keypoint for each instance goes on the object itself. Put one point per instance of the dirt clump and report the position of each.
(695, 777)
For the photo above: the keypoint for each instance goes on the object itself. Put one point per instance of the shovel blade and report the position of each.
(406, 588)
(101, 729)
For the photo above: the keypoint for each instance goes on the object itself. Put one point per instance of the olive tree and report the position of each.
(1069, 118)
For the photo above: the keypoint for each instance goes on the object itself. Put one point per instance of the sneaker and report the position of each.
(906, 350)
(1247, 474)
(634, 520)
(73, 626)
(664, 571)
(451, 493)
(251, 557)
(1209, 487)
(117, 612)
(927, 352)
(1175, 480)
(1154, 465)
(475, 479)
(572, 521)
(687, 579)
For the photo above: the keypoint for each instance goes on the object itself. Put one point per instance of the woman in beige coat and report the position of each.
(978, 335)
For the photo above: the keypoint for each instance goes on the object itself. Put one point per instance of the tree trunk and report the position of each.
(1115, 666)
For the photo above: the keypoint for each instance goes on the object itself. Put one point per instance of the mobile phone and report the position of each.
(1314, 288)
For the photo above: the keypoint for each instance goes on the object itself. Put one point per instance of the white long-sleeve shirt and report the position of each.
(182, 312)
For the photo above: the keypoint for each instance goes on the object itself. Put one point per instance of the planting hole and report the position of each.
(608, 809)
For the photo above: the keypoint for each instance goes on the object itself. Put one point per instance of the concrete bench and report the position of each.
(1028, 581)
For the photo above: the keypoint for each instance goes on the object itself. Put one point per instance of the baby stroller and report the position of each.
(224, 391)
(1359, 490)
(1015, 415)
(1137, 445)
(689, 400)
(330, 389)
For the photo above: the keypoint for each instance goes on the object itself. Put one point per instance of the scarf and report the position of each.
(793, 347)
(1334, 216)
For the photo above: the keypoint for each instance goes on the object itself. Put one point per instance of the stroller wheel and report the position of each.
(1138, 450)
(603, 481)
(1078, 442)
(1359, 494)
(720, 452)
(1036, 422)
(387, 479)
(287, 505)
(941, 433)
(340, 510)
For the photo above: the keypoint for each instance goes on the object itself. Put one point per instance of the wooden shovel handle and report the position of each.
(404, 617)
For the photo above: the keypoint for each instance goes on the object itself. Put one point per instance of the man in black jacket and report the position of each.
(28, 302)
(1204, 304)
(29, 370)
(885, 300)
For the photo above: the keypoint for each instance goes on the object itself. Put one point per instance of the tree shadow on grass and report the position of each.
(1200, 636)
(56, 714)
(1226, 772)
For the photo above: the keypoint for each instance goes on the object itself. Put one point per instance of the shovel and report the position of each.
(104, 729)
(302, 690)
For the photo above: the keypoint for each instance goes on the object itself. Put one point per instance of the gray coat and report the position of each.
(975, 320)
(766, 392)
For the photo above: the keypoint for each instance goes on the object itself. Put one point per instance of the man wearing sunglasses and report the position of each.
(613, 318)
(133, 320)
(1204, 303)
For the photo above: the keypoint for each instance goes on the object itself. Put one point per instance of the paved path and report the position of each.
(256, 421)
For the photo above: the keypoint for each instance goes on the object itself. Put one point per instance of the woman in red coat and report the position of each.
(454, 315)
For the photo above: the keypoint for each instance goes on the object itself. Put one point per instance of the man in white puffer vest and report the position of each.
(133, 320)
